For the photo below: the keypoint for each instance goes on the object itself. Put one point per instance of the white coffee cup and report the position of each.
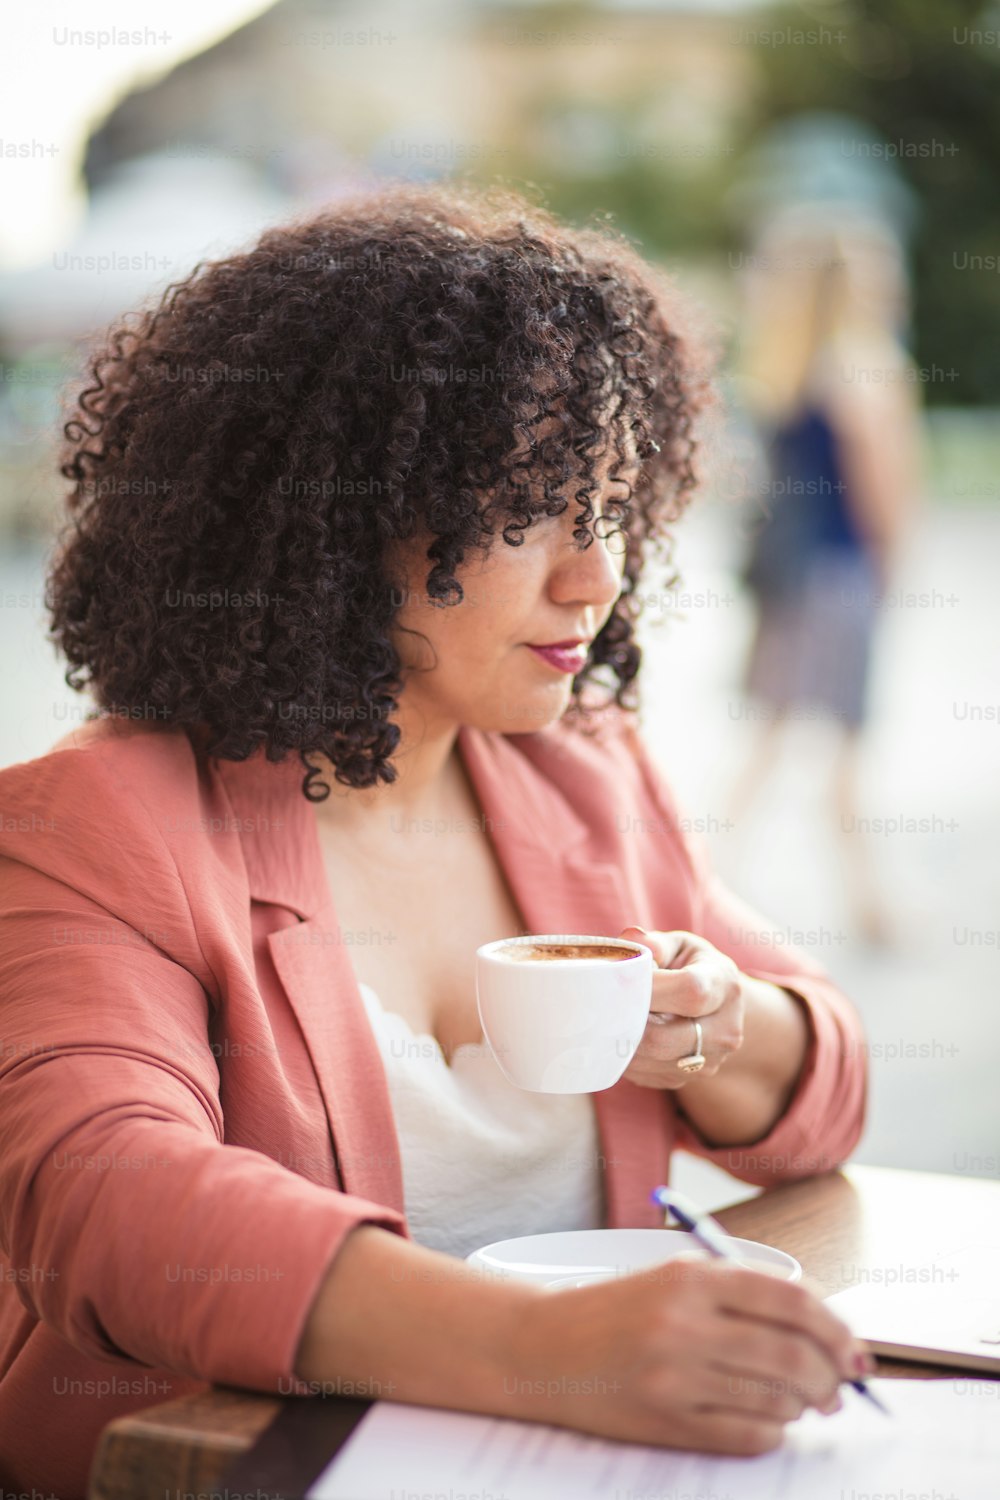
(563, 1025)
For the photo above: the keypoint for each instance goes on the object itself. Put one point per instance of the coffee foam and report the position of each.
(567, 953)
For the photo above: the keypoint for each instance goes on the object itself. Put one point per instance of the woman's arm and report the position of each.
(698, 1355)
(132, 1229)
(748, 1096)
(799, 1096)
(755, 1038)
(413, 1325)
(877, 425)
(779, 1076)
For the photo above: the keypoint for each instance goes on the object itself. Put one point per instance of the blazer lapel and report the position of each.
(312, 959)
(315, 968)
(541, 844)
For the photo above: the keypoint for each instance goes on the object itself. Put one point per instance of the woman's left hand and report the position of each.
(692, 982)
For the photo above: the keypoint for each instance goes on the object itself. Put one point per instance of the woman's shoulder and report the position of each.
(95, 810)
(128, 766)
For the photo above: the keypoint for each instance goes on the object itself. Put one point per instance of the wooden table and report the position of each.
(843, 1227)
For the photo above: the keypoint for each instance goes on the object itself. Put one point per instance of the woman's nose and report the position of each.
(592, 574)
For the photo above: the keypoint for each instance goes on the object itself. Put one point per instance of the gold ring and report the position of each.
(695, 1061)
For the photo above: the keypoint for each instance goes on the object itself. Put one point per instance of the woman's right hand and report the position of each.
(691, 1354)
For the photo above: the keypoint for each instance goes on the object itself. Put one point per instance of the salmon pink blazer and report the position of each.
(193, 1109)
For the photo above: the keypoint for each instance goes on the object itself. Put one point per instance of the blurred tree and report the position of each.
(927, 77)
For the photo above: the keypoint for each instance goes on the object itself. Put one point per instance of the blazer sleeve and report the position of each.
(825, 1116)
(131, 1229)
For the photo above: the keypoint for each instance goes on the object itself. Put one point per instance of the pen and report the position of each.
(710, 1233)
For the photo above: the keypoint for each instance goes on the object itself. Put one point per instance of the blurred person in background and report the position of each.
(829, 388)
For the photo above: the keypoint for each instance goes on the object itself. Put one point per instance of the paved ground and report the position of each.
(931, 1001)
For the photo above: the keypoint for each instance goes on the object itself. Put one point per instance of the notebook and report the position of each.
(945, 1312)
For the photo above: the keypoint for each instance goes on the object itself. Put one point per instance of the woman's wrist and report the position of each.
(396, 1320)
(744, 1101)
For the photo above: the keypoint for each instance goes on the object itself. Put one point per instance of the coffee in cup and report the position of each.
(543, 952)
(564, 1013)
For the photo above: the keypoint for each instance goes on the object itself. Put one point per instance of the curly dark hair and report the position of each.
(380, 369)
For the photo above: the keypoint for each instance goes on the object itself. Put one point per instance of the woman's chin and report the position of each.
(531, 713)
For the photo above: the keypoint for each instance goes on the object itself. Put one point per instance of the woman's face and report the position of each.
(473, 663)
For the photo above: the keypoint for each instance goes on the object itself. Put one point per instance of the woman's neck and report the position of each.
(429, 772)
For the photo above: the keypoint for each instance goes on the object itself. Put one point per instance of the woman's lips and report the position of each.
(569, 659)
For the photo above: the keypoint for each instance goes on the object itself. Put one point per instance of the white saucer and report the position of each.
(578, 1256)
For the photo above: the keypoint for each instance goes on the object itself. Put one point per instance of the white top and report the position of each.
(482, 1159)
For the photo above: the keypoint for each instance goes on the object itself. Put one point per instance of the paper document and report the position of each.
(943, 1438)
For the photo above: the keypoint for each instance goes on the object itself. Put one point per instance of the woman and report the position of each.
(343, 743)
(832, 391)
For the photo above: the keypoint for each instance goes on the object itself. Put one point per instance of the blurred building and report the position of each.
(313, 98)
(640, 111)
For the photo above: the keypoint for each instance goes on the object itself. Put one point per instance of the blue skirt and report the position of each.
(812, 644)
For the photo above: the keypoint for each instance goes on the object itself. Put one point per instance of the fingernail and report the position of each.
(864, 1364)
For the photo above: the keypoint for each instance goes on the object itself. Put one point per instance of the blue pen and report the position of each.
(710, 1233)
